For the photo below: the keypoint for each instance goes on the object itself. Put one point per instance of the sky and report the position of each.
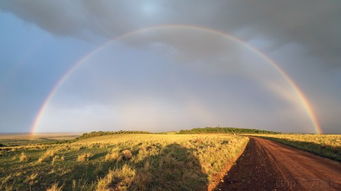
(164, 65)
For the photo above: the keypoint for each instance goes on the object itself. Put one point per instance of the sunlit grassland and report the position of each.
(122, 162)
(324, 145)
(41, 138)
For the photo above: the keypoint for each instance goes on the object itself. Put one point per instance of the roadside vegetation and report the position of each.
(324, 145)
(122, 161)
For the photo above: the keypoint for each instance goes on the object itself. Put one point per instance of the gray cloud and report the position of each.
(303, 36)
(314, 24)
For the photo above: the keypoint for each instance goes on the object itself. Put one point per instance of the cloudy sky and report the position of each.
(162, 65)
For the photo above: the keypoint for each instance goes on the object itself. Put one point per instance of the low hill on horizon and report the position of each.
(225, 130)
(202, 130)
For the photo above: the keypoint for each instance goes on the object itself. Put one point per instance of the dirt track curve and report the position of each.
(268, 165)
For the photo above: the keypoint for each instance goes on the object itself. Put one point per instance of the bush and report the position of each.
(48, 155)
(54, 187)
(126, 155)
(112, 156)
(118, 179)
(84, 157)
(57, 158)
(23, 157)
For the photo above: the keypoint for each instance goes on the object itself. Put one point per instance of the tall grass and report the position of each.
(117, 179)
(324, 145)
(123, 161)
(54, 187)
(23, 157)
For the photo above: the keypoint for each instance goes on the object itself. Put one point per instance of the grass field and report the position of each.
(42, 138)
(134, 160)
(121, 162)
(324, 145)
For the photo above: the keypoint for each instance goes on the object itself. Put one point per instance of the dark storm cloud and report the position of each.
(313, 24)
(303, 36)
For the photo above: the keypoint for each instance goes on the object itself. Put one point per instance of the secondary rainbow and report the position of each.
(304, 102)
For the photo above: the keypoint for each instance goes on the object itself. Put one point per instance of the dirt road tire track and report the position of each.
(268, 165)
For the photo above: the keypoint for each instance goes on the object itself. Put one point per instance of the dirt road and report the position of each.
(268, 165)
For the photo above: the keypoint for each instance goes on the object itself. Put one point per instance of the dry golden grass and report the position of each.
(57, 159)
(117, 179)
(48, 155)
(126, 154)
(55, 187)
(84, 157)
(23, 157)
(324, 145)
(31, 179)
(113, 155)
(121, 162)
(328, 140)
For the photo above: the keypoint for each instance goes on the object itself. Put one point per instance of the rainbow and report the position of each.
(302, 99)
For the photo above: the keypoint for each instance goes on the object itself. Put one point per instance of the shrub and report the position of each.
(84, 157)
(23, 157)
(48, 155)
(118, 179)
(112, 156)
(126, 154)
(54, 187)
(2, 145)
(57, 158)
(32, 178)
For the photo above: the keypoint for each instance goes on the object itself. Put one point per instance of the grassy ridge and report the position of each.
(102, 133)
(225, 130)
(324, 145)
(122, 162)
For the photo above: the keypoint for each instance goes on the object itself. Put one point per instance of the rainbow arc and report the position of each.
(301, 98)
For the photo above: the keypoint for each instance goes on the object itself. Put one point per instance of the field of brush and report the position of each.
(324, 145)
(121, 162)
